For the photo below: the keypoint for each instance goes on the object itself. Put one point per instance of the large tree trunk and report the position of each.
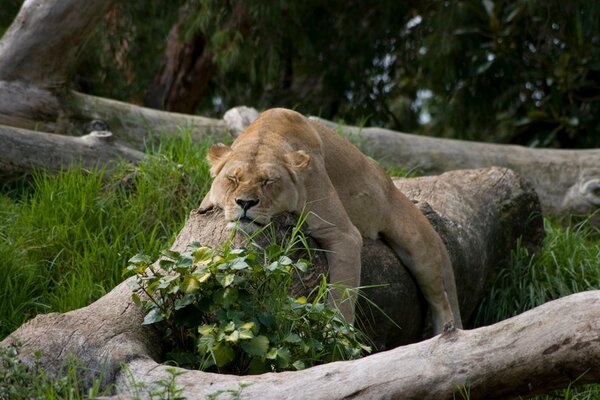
(480, 234)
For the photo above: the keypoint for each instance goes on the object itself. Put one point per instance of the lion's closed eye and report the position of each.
(269, 181)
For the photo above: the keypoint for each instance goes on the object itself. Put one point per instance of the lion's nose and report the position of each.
(246, 204)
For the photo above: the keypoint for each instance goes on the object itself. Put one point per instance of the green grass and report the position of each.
(65, 239)
(19, 382)
(567, 263)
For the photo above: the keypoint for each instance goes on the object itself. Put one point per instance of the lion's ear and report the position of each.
(298, 159)
(217, 152)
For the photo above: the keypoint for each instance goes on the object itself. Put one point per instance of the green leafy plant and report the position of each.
(229, 309)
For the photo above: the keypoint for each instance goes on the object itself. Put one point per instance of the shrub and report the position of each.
(229, 310)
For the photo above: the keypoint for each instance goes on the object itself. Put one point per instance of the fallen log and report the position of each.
(565, 180)
(480, 214)
(25, 151)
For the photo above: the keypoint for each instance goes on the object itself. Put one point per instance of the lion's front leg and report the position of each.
(343, 244)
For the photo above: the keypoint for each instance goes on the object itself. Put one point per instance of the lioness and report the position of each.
(286, 162)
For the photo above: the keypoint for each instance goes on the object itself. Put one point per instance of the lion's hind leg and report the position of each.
(422, 251)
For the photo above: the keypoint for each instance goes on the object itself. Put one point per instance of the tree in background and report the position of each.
(523, 71)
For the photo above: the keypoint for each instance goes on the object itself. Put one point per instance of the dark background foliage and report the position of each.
(524, 71)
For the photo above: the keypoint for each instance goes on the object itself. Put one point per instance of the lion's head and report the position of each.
(255, 184)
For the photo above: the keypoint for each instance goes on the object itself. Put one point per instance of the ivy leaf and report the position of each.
(301, 266)
(299, 365)
(258, 366)
(170, 254)
(202, 255)
(285, 260)
(292, 338)
(155, 315)
(246, 334)
(239, 264)
(206, 329)
(257, 346)
(225, 279)
(230, 296)
(140, 259)
(136, 299)
(185, 261)
(190, 284)
(283, 357)
(166, 264)
(205, 344)
(222, 354)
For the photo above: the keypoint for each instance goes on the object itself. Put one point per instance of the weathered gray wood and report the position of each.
(43, 42)
(136, 124)
(545, 348)
(24, 151)
(479, 214)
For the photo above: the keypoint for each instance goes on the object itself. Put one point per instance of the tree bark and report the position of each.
(25, 151)
(43, 42)
(480, 234)
(187, 66)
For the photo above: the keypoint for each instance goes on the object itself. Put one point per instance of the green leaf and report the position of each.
(155, 315)
(190, 284)
(246, 334)
(283, 357)
(170, 254)
(185, 260)
(202, 254)
(299, 365)
(205, 344)
(272, 353)
(258, 366)
(302, 266)
(140, 259)
(233, 336)
(206, 329)
(284, 260)
(257, 346)
(225, 279)
(136, 299)
(222, 354)
(292, 338)
(239, 264)
(229, 327)
(230, 296)
(166, 264)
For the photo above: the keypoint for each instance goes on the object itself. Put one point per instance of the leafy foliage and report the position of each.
(520, 71)
(232, 308)
(509, 71)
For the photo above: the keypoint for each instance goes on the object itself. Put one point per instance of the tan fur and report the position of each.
(285, 162)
